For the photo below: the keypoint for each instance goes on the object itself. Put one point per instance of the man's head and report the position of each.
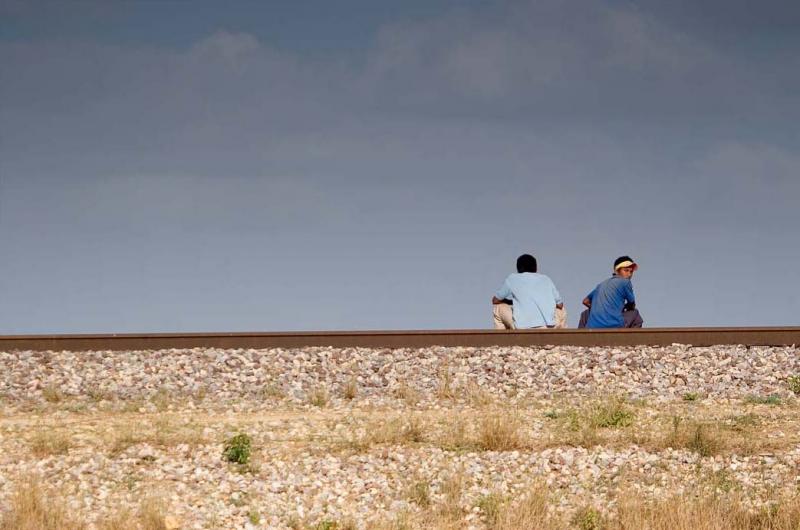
(526, 263)
(624, 267)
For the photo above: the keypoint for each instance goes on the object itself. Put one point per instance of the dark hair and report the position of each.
(620, 260)
(526, 263)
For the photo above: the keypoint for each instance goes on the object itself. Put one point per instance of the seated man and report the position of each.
(534, 300)
(612, 303)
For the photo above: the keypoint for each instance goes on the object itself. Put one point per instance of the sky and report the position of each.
(171, 166)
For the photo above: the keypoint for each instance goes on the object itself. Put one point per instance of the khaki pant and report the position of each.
(504, 317)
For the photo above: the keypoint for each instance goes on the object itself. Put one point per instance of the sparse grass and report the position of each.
(152, 514)
(703, 439)
(350, 389)
(161, 399)
(272, 391)
(530, 512)
(793, 383)
(47, 443)
(477, 396)
(454, 437)
(238, 449)
(328, 524)
(318, 397)
(449, 511)
(490, 506)
(710, 512)
(763, 400)
(420, 493)
(501, 431)
(52, 394)
(445, 388)
(406, 393)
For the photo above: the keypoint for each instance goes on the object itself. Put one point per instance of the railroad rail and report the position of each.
(751, 336)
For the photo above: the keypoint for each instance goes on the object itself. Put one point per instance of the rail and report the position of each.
(751, 336)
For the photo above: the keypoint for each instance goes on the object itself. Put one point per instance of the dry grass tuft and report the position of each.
(318, 397)
(350, 389)
(701, 438)
(707, 513)
(477, 396)
(406, 393)
(529, 513)
(47, 443)
(420, 493)
(454, 437)
(501, 432)
(52, 394)
(445, 389)
(30, 509)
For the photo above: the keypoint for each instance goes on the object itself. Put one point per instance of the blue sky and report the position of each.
(176, 166)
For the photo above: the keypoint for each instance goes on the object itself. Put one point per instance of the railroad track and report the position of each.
(754, 336)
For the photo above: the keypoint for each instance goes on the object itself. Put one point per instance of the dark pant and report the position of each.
(630, 319)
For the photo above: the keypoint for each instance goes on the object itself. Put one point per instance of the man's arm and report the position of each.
(557, 297)
(589, 297)
(630, 299)
(502, 294)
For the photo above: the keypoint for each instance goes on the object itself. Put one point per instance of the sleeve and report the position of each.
(556, 294)
(629, 297)
(590, 296)
(504, 291)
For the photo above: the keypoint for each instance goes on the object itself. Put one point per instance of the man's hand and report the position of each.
(560, 306)
(587, 302)
(496, 300)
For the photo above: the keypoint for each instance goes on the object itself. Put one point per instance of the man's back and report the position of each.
(608, 300)
(534, 296)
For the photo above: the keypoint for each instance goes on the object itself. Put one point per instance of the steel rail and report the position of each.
(751, 336)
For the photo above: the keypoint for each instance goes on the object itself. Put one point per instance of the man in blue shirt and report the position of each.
(612, 303)
(535, 301)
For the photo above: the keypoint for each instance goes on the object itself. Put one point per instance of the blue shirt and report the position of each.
(534, 296)
(608, 299)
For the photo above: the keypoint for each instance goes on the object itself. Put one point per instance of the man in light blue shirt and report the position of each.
(534, 299)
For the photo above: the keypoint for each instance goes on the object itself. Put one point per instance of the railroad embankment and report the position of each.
(563, 437)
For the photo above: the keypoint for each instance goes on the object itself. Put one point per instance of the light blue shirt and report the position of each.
(535, 297)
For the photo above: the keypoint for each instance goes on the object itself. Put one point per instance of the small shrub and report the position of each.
(254, 517)
(588, 519)
(612, 414)
(691, 396)
(237, 449)
(551, 414)
(793, 382)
